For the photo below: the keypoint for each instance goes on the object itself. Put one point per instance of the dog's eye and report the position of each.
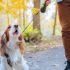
(16, 26)
(9, 27)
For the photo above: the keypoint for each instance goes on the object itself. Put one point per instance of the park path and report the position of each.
(51, 59)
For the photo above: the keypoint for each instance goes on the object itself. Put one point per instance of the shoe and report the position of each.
(68, 66)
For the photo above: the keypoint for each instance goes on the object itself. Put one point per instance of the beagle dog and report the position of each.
(13, 42)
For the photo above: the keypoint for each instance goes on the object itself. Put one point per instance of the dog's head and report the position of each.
(14, 30)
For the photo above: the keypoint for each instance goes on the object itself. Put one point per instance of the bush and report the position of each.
(33, 36)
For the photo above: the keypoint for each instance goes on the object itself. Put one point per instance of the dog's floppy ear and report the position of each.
(4, 40)
(5, 37)
(2, 45)
(21, 44)
(6, 33)
(20, 37)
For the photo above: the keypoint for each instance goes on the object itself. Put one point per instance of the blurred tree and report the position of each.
(1, 6)
(55, 21)
(36, 18)
(19, 5)
(15, 8)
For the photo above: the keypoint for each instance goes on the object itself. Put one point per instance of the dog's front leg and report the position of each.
(13, 66)
(24, 64)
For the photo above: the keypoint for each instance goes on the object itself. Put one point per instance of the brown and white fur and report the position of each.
(15, 47)
(3, 61)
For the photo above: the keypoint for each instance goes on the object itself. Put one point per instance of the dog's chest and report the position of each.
(12, 44)
(13, 49)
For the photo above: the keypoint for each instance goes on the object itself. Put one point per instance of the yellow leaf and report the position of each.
(1, 8)
(15, 1)
(1, 1)
(35, 11)
(24, 7)
(16, 6)
(1, 5)
(14, 14)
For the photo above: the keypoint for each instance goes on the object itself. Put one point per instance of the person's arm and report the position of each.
(59, 1)
(46, 3)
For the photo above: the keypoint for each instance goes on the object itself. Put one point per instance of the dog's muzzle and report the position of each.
(16, 32)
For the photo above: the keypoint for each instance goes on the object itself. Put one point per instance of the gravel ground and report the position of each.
(51, 59)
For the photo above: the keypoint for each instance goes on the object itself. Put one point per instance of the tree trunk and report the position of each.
(36, 18)
(55, 21)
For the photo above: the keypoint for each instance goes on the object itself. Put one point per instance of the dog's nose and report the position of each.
(16, 31)
(16, 26)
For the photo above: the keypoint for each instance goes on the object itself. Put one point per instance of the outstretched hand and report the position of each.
(43, 9)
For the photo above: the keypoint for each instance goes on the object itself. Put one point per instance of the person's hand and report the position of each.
(43, 9)
(48, 2)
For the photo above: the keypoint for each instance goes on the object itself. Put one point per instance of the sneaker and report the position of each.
(68, 66)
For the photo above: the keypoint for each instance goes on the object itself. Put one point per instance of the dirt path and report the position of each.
(52, 59)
